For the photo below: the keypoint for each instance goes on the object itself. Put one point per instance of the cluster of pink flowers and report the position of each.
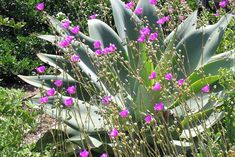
(40, 6)
(146, 32)
(124, 113)
(93, 16)
(66, 42)
(130, 5)
(138, 11)
(223, 3)
(163, 20)
(75, 58)
(113, 133)
(153, 2)
(110, 49)
(106, 100)
(41, 69)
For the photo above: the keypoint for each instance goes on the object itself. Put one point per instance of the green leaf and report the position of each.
(125, 21)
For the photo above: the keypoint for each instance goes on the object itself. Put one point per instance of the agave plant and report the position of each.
(133, 76)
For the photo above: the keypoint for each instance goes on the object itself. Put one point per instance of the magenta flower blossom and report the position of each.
(75, 29)
(153, 2)
(168, 76)
(75, 58)
(157, 87)
(40, 6)
(159, 106)
(94, 16)
(51, 92)
(141, 39)
(97, 44)
(130, 5)
(181, 17)
(163, 20)
(124, 113)
(145, 31)
(66, 24)
(43, 100)
(153, 75)
(84, 153)
(113, 133)
(104, 155)
(69, 38)
(41, 69)
(153, 36)
(68, 102)
(138, 11)
(148, 119)
(71, 90)
(216, 14)
(58, 83)
(223, 3)
(98, 52)
(105, 50)
(106, 100)
(64, 43)
(181, 82)
(112, 48)
(206, 89)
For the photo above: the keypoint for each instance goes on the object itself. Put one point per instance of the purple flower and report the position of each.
(64, 43)
(163, 20)
(145, 31)
(153, 75)
(206, 89)
(181, 82)
(104, 155)
(71, 90)
(153, 36)
(138, 11)
(130, 5)
(216, 14)
(58, 83)
(97, 44)
(113, 133)
(41, 69)
(43, 100)
(105, 50)
(124, 113)
(112, 48)
(94, 16)
(68, 102)
(66, 24)
(223, 3)
(98, 52)
(141, 39)
(157, 87)
(106, 100)
(75, 29)
(153, 2)
(51, 92)
(168, 76)
(84, 153)
(181, 17)
(69, 38)
(75, 58)
(148, 119)
(40, 6)
(159, 106)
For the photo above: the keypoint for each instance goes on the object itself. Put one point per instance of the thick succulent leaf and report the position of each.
(86, 40)
(125, 21)
(184, 28)
(81, 116)
(228, 54)
(199, 102)
(212, 68)
(46, 81)
(208, 123)
(194, 88)
(150, 11)
(57, 62)
(99, 30)
(199, 45)
(58, 26)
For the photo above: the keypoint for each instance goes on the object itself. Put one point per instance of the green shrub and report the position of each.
(15, 120)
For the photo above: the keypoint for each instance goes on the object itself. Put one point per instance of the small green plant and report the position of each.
(139, 92)
(15, 121)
